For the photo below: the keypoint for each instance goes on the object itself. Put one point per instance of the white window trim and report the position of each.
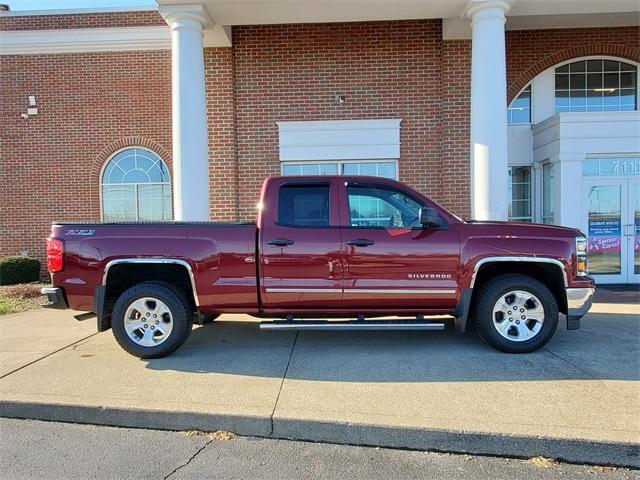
(104, 166)
(338, 140)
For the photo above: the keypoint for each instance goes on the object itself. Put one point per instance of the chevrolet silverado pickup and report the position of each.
(326, 253)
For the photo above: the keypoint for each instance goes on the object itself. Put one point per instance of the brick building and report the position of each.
(181, 112)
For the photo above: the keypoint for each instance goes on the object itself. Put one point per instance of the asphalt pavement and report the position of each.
(32, 449)
(418, 390)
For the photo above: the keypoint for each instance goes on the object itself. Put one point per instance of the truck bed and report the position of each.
(221, 256)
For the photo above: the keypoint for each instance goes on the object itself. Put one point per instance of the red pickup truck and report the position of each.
(323, 249)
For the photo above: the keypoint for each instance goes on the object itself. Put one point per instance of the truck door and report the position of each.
(300, 256)
(391, 261)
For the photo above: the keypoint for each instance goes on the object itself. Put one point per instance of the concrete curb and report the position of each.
(571, 450)
(137, 418)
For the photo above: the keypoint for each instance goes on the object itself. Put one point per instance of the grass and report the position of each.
(18, 298)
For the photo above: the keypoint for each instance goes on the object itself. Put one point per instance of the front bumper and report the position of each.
(579, 301)
(55, 298)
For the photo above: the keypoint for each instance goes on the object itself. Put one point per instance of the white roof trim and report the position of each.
(77, 11)
(25, 42)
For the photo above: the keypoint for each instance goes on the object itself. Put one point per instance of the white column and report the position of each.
(489, 176)
(190, 137)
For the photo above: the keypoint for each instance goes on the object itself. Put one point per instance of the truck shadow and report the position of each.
(607, 347)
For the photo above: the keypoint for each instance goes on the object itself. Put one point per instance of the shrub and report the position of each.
(19, 270)
(23, 290)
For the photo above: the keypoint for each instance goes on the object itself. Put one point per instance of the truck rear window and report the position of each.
(304, 205)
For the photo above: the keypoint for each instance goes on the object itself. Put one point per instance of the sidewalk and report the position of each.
(577, 399)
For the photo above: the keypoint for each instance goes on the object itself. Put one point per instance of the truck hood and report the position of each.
(521, 229)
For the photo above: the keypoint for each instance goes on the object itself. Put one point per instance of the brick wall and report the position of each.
(456, 98)
(89, 102)
(223, 167)
(529, 52)
(293, 72)
(92, 104)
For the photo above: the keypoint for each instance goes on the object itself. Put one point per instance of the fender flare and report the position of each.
(461, 311)
(100, 293)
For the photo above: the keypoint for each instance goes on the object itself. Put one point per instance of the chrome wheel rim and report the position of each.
(148, 322)
(518, 315)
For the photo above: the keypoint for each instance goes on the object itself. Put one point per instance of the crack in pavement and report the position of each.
(48, 355)
(580, 369)
(284, 376)
(597, 377)
(207, 443)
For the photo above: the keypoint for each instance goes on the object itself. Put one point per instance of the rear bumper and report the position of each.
(579, 301)
(55, 298)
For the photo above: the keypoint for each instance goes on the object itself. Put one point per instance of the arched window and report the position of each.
(596, 85)
(135, 186)
(519, 111)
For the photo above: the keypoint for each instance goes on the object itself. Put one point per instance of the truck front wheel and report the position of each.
(515, 313)
(151, 319)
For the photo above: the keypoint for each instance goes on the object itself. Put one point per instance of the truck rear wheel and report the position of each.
(515, 313)
(151, 319)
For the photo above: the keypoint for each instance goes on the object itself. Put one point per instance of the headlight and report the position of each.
(582, 251)
(581, 246)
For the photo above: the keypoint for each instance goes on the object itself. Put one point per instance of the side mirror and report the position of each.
(429, 217)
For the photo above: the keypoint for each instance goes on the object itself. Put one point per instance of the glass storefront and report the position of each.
(605, 229)
(611, 190)
(635, 202)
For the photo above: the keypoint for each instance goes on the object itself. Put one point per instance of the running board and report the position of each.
(350, 325)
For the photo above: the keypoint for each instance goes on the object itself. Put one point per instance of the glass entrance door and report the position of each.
(633, 231)
(611, 220)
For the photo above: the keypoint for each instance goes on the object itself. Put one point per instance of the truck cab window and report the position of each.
(373, 206)
(304, 205)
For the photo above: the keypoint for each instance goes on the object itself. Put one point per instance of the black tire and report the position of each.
(181, 315)
(489, 294)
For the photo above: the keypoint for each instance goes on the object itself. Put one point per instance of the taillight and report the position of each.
(55, 255)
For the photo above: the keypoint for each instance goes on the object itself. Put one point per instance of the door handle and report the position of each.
(280, 242)
(360, 242)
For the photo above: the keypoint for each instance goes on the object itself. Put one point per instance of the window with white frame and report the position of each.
(548, 197)
(135, 186)
(596, 85)
(520, 198)
(386, 169)
(519, 111)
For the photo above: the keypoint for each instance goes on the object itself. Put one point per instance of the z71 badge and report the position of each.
(80, 232)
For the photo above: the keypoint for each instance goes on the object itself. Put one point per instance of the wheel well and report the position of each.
(122, 276)
(547, 273)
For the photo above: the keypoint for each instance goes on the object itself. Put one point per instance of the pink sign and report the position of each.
(604, 244)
